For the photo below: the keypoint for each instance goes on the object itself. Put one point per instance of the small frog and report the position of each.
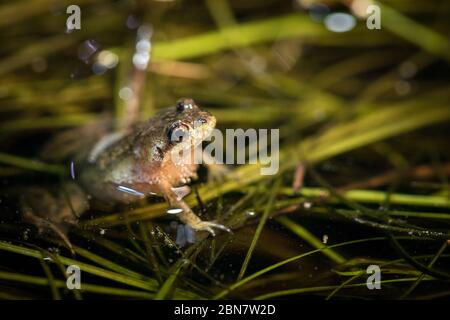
(147, 160)
(153, 157)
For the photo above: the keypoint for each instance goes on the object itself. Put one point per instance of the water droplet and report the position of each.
(125, 93)
(108, 59)
(143, 45)
(145, 32)
(141, 59)
(132, 22)
(25, 234)
(407, 69)
(340, 22)
(402, 87)
(250, 213)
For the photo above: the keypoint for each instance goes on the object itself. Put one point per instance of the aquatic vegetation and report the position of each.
(363, 119)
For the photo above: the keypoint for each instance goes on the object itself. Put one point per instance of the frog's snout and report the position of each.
(211, 119)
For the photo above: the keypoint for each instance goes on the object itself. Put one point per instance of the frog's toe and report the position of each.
(210, 230)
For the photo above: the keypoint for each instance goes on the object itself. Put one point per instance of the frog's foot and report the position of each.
(208, 226)
(187, 216)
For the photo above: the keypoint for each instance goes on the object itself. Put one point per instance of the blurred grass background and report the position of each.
(363, 118)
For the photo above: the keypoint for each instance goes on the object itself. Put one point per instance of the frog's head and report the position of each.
(174, 130)
(189, 125)
(186, 127)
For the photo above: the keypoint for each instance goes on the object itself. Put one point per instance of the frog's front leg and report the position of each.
(187, 216)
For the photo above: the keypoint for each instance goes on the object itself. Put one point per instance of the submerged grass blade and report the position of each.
(365, 196)
(281, 293)
(422, 276)
(238, 284)
(169, 283)
(261, 224)
(51, 280)
(148, 284)
(108, 264)
(85, 287)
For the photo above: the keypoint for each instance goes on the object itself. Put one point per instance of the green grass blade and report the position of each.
(281, 293)
(261, 224)
(31, 164)
(85, 287)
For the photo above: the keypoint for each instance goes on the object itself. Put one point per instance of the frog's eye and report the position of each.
(177, 133)
(184, 104)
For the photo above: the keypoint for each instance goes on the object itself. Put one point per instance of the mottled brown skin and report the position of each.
(143, 160)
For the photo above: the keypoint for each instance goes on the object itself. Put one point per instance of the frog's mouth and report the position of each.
(203, 131)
